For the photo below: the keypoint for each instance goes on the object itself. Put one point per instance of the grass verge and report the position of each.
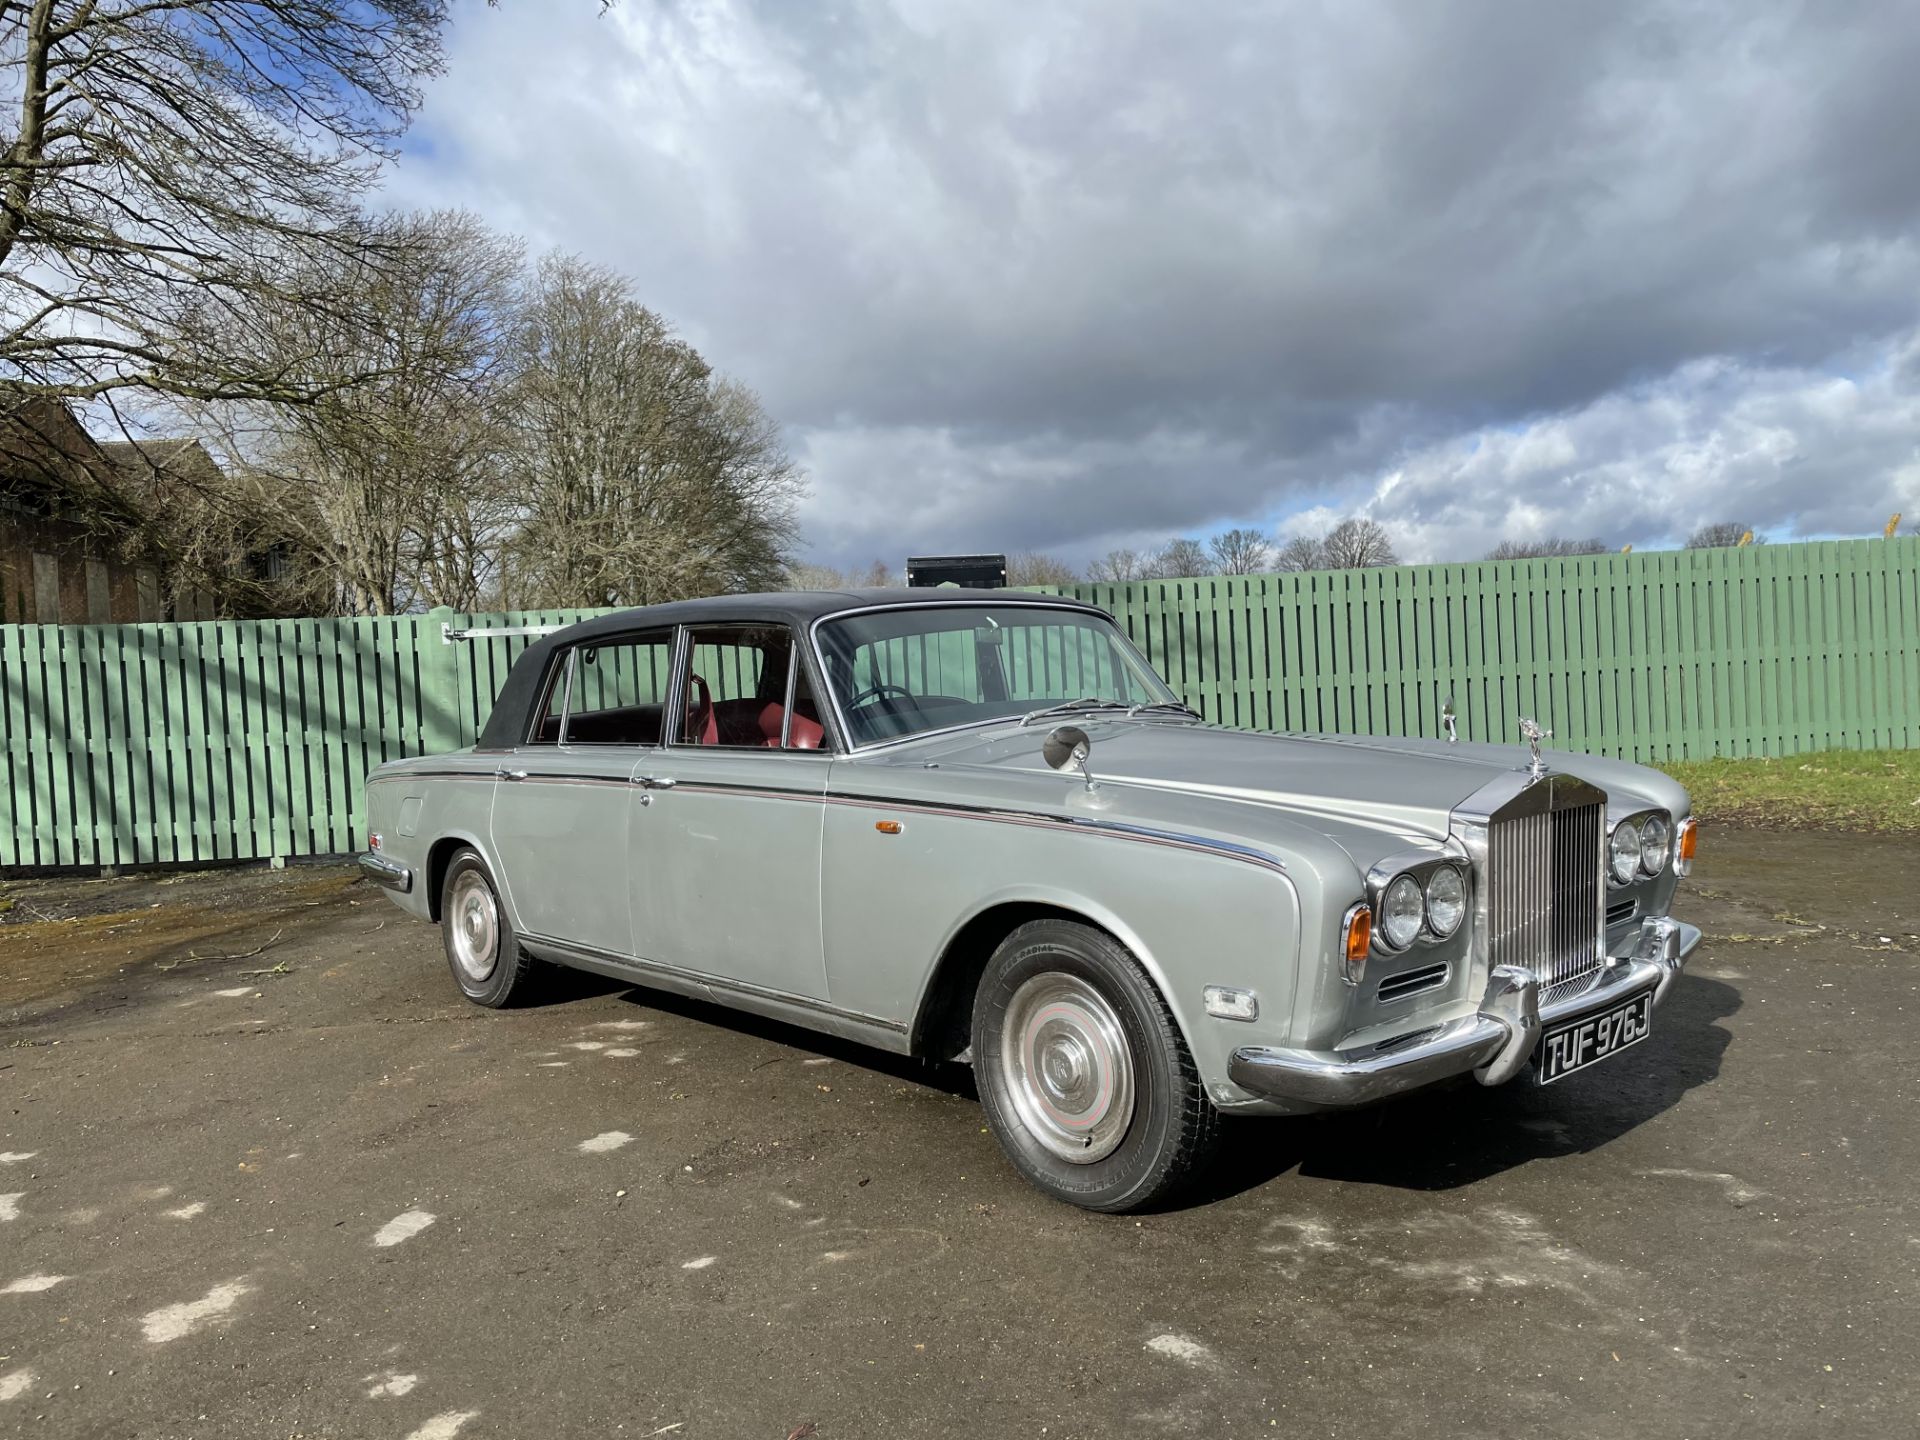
(1872, 790)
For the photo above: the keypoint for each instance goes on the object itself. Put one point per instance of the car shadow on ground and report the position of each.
(1450, 1137)
(1441, 1139)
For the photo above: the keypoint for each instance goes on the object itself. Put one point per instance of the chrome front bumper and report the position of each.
(382, 871)
(1495, 1043)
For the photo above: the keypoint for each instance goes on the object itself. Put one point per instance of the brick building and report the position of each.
(75, 513)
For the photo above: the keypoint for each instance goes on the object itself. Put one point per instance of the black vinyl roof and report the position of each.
(509, 719)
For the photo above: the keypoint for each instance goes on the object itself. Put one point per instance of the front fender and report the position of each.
(895, 903)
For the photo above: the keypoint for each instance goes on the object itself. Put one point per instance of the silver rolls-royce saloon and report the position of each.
(977, 826)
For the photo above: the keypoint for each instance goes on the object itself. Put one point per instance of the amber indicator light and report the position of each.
(1359, 935)
(887, 827)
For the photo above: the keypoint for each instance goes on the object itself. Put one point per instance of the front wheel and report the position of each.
(1087, 1083)
(485, 958)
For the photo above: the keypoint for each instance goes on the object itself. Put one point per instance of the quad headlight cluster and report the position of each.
(1640, 845)
(1434, 902)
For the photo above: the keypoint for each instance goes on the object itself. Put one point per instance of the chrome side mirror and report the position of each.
(1067, 748)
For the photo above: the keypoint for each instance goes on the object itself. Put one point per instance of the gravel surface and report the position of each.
(263, 1173)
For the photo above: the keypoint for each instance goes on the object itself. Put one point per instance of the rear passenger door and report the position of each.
(563, 802)
(727, 841)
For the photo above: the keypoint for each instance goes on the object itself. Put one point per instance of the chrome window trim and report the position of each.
(786, 699)
(530, 731)
(566, 696)
(849, 749)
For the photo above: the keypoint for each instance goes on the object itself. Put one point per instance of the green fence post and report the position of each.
(438, 666)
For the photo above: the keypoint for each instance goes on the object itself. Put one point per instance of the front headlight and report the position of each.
(1446, 901)
(1623, 852)
(1656, 835)
(1401, 911)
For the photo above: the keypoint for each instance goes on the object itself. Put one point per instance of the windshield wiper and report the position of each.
(1069, 707)
(1177, 706)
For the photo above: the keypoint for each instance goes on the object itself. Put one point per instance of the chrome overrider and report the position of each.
(1496, 1043)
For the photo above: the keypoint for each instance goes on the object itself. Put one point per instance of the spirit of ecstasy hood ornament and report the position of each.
(1447, 722)
(1533, 735)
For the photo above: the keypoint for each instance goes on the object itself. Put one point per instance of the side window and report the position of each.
(614, 694)
(737, 691)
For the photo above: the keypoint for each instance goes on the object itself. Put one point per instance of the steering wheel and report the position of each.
(875, 691)
(701, 729)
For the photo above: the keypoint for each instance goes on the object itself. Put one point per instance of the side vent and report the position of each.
(1413, 982)
(1624, 911)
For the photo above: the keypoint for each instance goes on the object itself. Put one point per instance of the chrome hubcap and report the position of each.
(1066, 1067)
(476, 926)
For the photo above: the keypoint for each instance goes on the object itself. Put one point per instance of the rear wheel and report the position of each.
(487, 961)
(1086, 1081)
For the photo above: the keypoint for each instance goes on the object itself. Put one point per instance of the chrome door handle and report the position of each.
(504, 774)
(655, 782)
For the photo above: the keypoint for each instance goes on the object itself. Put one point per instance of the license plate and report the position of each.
(1593, 1038)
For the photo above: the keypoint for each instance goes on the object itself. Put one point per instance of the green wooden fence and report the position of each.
(229, 740)
(1767, 650)
(226, 740)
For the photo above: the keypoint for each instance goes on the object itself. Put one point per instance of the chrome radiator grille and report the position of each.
(1544, 892)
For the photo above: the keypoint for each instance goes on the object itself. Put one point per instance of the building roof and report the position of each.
(143, 463)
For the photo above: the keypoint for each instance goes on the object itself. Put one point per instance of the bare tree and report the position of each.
(171, 162)
(805, 575)
(216, 548)
(1355, 544)
(1176, 560)
(1117, 567)
(1240, 552)
(395, 483)
(1724, 535)
(646, 477)
(1026, 570)
(1300, 553)
(1549, 549)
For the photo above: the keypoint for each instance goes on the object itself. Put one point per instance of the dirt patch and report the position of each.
(62, 935)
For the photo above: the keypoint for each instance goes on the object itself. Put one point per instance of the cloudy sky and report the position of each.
(1067, 276)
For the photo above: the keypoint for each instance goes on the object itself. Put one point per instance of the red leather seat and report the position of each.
(756, 724)
(804, 734)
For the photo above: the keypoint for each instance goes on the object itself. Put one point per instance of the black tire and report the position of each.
(509, 979)
(1170, 1126)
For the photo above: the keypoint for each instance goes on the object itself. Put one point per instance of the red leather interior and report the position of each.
(803, 734)
(756, 724)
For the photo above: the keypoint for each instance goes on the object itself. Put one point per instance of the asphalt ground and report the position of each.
(263, 1173)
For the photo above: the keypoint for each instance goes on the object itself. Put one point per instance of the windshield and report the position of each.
(899, 672)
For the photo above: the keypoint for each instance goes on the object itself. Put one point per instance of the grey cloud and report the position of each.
(1092, 272)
